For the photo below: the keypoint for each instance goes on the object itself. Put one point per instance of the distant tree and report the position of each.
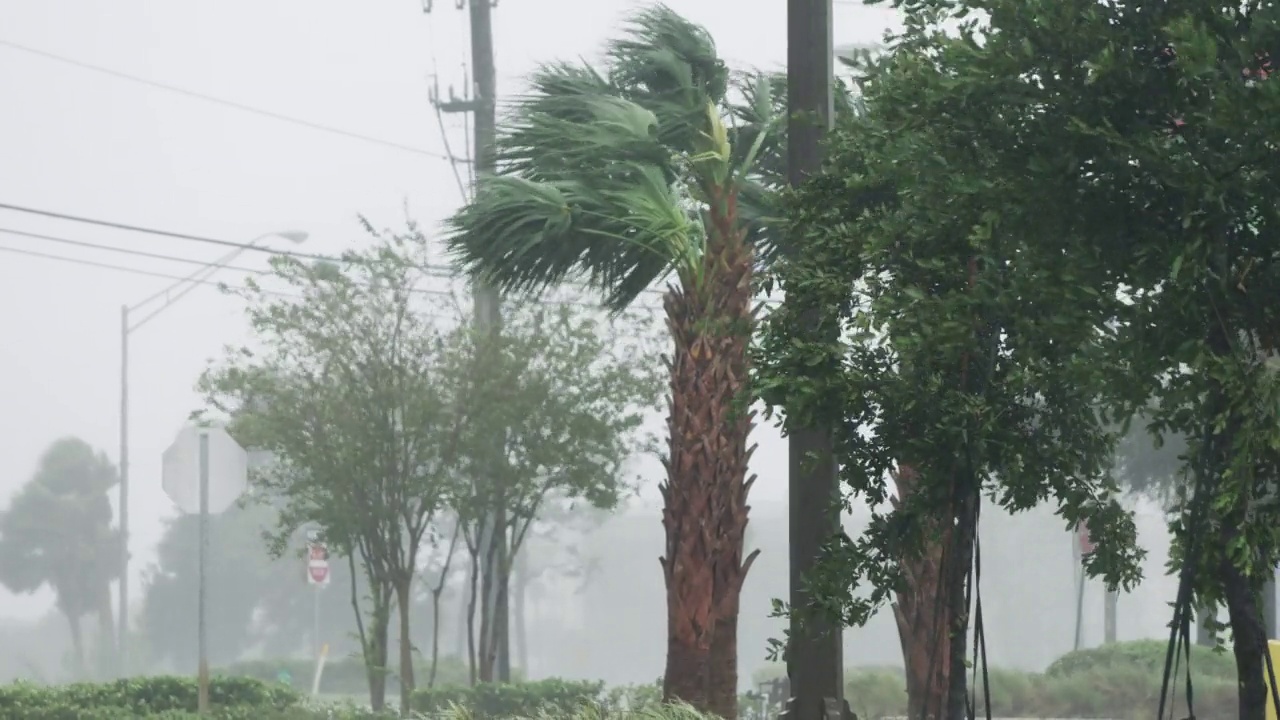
(57, 532)
(262, 603)
(568, 390)
(346, 389)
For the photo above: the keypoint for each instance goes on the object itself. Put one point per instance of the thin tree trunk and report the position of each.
(403, 591)
(436, 592)
(106, 631)
(520, 608)
(959, 564)
(376, 656)
(923, 620)
(708, 426)
(77, 646)
(471, 618)
(373, 638)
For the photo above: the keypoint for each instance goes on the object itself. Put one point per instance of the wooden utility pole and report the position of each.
(482, 104)
(815, 662)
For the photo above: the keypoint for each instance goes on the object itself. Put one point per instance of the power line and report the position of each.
(429, 270)
(235, 288)
(126, 269)
(224, 102)
(439, 269)
(127, 251)
(167, 233)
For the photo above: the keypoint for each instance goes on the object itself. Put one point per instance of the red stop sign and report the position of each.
(319, 573)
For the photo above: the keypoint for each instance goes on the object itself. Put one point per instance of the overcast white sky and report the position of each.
(81, 142)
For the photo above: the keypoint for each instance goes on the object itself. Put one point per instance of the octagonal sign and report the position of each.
(228, 469)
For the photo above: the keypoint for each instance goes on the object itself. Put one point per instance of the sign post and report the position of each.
(318, 578)
(204, 471)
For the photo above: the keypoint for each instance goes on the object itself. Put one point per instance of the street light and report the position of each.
(168, 296)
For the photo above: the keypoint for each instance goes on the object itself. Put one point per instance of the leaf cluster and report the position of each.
(383, 409)
(1139, 137)
(948, 338)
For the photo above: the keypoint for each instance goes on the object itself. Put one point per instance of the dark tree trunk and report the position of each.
(488, 651)
(1249, 638)
(923, 621)
(705, 494)
(376, 657)
(959, 562)
(404, 603)
(722, 676)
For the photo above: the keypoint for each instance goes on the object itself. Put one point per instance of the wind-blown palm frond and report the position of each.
(669, 66)
(591, 167)
(522, 236)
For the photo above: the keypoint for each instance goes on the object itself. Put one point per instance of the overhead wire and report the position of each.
(127, 269)
(235, 288)
(442, 269)
(223, 101)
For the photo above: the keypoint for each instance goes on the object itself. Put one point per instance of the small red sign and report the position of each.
(1085, 540)
(319, 573)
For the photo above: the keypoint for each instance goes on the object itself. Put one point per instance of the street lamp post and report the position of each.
(168, 297)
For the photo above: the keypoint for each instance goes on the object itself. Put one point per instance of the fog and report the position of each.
(91, 143)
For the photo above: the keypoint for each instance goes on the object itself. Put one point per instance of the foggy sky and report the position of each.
(81, 142)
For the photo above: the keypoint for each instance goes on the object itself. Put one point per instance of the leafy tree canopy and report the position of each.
(956, 341)
(57, 529)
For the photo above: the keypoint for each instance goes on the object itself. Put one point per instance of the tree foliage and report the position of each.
(263, 603)
(57, 532)
(347, 391)
(1123, 154)
(381, 406)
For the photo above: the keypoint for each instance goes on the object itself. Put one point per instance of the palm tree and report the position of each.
(625, 177)
(57, 532)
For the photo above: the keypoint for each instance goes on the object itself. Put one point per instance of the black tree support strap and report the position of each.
(979, 627)
(1180, 627)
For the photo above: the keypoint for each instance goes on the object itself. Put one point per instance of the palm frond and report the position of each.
(592, 164)
(669, 66)
(523, 235)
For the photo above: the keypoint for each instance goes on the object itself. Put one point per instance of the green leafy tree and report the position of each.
(626, 175)
(57, 532)
(567, 389)
(1147, 129)
(347, 390)
(963, 356)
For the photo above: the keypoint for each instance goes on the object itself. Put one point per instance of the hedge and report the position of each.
(1117, 681)
(164, 697)
(343, 676)
(1121, 680)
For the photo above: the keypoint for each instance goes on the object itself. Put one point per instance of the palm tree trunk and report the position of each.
(710, 321)
(722, 679)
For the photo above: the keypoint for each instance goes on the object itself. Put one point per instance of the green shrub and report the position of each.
(344, 676)
(1147, 655)
(506, 700)
(137, 697)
